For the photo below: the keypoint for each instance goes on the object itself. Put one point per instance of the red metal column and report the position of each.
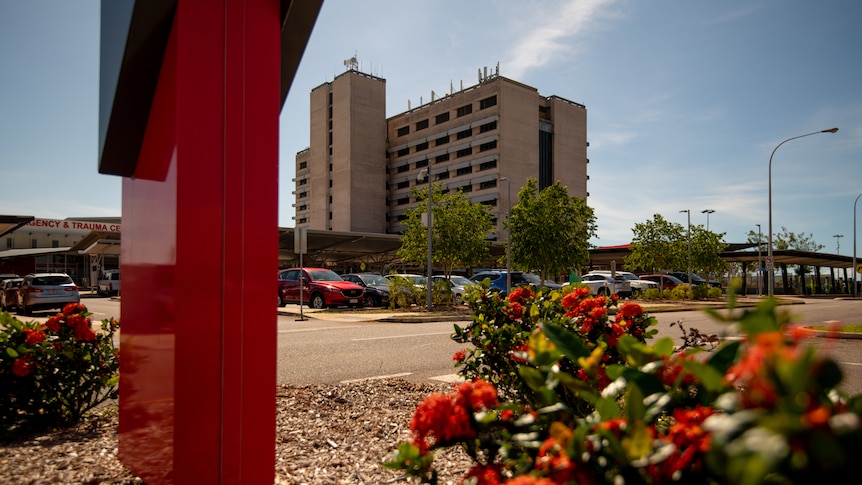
(199, 254)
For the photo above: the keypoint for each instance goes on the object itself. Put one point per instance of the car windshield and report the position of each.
(374, 280)
(52, 280)
(324, 275)
(459, 280)
(630, 276)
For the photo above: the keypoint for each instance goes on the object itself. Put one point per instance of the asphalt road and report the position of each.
(314, 351)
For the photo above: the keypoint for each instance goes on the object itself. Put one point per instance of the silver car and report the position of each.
(45, 291)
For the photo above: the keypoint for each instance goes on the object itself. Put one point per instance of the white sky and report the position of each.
(685, 100)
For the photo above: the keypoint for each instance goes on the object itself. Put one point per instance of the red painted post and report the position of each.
(199, 254)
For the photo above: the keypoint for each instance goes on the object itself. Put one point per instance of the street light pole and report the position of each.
(855, 291)
(508, 234)
(759, 264)
(688, 211)
(838, 243)
(769, 259)
(707, 212)
(430, 278)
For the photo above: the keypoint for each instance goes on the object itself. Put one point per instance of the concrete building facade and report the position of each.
(360, 167)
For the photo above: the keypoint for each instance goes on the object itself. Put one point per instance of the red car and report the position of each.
(321, 288)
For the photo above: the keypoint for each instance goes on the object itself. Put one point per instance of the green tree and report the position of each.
(706, 249)
(658, 245)
(550, 231)
(459, 229)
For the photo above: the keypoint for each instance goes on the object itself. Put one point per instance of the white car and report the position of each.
(458, 283)
(605, 284)
(635, 282)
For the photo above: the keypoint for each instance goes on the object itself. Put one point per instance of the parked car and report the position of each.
(376, 287)
(667, 282)
(497, 280)
(9, 293)
(109, 282)
(458, 284)
(696, 279)
(605, 284)
(636, 283)
(45, 291)
(317, 287)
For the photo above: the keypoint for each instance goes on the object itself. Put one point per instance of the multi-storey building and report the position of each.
(358, 172)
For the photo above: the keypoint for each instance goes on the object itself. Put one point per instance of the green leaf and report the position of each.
(11, 352)
(571, 345)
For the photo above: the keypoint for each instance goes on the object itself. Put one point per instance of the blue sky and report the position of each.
(686, 100)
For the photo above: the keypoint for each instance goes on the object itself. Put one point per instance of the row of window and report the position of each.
(464, 152)
(34, 243)
(491, 164)
(444, 117)
(445, 139)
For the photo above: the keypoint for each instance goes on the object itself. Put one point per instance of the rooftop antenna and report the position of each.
(351, 64)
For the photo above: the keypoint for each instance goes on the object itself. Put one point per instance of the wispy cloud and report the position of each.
(548, 32)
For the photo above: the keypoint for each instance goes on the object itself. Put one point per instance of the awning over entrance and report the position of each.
(99, 243)
(12, 253)
(11, 223)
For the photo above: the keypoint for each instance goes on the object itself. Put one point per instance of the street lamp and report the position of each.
(759, 264)
(508, 234)
(707, 212)
(855, 291)
(422, 175)
(688, 211)
(769, 259)
(838, 242)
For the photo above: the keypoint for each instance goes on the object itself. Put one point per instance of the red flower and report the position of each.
(629, 310)
(479, 394)
(71, 308)
(529, 480)
(53, 323)
(459, 356)
(33, 337)
(520, 294)
(22, 366)
(484, 475)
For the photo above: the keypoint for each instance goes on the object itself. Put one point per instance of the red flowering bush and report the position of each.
(761, 409)
(51, 374)
(502, 328)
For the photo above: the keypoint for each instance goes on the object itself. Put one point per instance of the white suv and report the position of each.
(635, 283)
(604, 284)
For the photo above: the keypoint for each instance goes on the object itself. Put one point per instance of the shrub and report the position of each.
(51, 374)
(403, 293)
(681, 292)
(766, 409)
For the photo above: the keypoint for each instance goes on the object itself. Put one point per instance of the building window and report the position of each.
(403, 152)
(422, 146)
(466, 152)
(403, 201)
(488, 102)
(55, 243)
(403, 184)
(33, 243)
(546, 159)
(443, 175)
(302, 195)
(488, 127)
(484, 147)
(9, 243)
(488, 165)
(303, 165)
(421, 125)
(488, 185)
(302, 182)
(403, 130)
(442, 141)
(441, 118)
(465, 134)
(464, 171)
(492, 203)
(302, 220)
(442, 158)
(403, 168)
(466, 188)
(465, 110)
(422, 163)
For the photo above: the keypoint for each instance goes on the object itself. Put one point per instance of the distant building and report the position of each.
(358, 171)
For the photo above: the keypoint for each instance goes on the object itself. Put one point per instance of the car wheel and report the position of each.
(370, 301)
(25, 310)
(602, 292)
(281, 301)
(317, 301)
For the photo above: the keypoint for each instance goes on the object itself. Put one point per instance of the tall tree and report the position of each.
(549, 231)
(658, 245)
(706, 249)
(459, 230)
